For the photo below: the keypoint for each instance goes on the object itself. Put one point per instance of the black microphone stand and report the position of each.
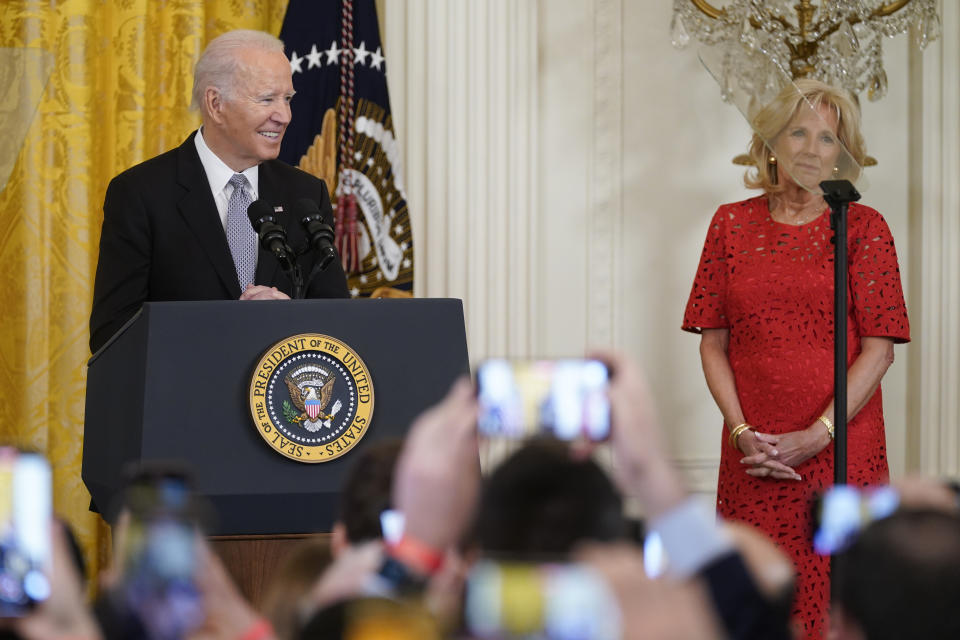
(297, 277)
(287, 258)
(839, 194)
(272, 238)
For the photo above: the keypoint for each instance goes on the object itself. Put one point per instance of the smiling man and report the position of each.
(176, 228)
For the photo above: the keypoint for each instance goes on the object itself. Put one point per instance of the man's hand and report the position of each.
(261, 292)
(437, 480)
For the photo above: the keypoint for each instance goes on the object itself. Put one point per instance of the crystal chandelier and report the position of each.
(760, 44)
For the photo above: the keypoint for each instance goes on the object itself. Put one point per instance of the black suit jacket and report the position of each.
(162, 239)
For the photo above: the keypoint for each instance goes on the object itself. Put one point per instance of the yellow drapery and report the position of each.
(120, 75)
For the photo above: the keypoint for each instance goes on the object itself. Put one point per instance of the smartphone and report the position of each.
(566, 399)
(391, 525)
(558, 601)
(26, 510)
(160, 556)
(843, 511)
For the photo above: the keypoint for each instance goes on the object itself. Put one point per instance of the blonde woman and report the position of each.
(762, 300)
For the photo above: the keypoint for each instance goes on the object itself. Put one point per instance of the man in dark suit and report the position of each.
(175, 226)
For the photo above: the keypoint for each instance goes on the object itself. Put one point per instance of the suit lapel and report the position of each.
(199, 211)
(267, 264)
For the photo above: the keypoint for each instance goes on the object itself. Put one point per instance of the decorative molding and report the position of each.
(606, 175)
(934, 391)
(699, 474)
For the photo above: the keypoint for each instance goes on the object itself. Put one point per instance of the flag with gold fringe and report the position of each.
(342, 132)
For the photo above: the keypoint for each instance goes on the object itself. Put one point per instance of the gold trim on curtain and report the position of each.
(118, 93)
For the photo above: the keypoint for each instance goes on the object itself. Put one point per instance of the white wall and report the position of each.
(564, 162)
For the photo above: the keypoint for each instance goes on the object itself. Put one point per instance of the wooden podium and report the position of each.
(173, 385)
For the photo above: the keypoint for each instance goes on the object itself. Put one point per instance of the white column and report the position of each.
(934, 431)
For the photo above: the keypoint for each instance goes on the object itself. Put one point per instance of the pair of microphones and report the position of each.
(273, 237)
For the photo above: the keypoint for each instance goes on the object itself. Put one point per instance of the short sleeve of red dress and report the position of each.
(706, 304)
(874, 275)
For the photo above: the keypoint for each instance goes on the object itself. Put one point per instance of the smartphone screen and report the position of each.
(161, 557)
(25, 516)
(843, 511)
(556, 601)
(391, 525)
(566, 399)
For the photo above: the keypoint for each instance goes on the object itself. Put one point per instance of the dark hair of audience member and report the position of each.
(542, 501)
(367, 490)
(297, 573)
(901, 578)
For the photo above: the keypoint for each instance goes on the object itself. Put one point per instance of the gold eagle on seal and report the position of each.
(311, 399)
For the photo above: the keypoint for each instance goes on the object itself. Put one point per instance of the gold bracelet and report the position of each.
(736, 431)
(828, 424)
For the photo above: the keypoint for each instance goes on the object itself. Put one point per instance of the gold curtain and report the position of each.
(120, 75)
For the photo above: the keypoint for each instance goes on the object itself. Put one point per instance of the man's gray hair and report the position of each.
(218, 64)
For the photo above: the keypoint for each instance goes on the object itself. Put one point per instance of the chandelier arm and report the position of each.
(888, 9)
(709, 10)
(881, 12)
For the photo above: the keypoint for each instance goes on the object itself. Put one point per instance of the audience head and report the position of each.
(366, 494)
(292, 580)
(543, 501)
(901, 579)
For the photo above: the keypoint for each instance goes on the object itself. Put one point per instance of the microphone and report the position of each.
(273, 237)
(319, 233)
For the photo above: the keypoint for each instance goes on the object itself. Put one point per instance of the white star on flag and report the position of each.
(397, 230)
(295, 61)
(406, 263)
(333, 53)
(361, 53)
(313, 58)
(376, 59)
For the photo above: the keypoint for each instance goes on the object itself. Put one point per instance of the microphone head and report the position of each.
(306, 208)
(259, 212)
(325, 257)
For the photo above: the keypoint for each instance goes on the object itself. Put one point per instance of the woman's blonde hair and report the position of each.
(773, 119)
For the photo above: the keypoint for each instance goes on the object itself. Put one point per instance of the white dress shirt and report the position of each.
(219, 174)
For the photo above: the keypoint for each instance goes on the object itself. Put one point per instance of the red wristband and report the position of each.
(417, 555)
(260, 629)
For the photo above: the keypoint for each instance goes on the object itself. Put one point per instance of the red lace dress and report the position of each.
(771, 285)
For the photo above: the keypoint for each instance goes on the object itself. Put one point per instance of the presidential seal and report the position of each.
(311, 397)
